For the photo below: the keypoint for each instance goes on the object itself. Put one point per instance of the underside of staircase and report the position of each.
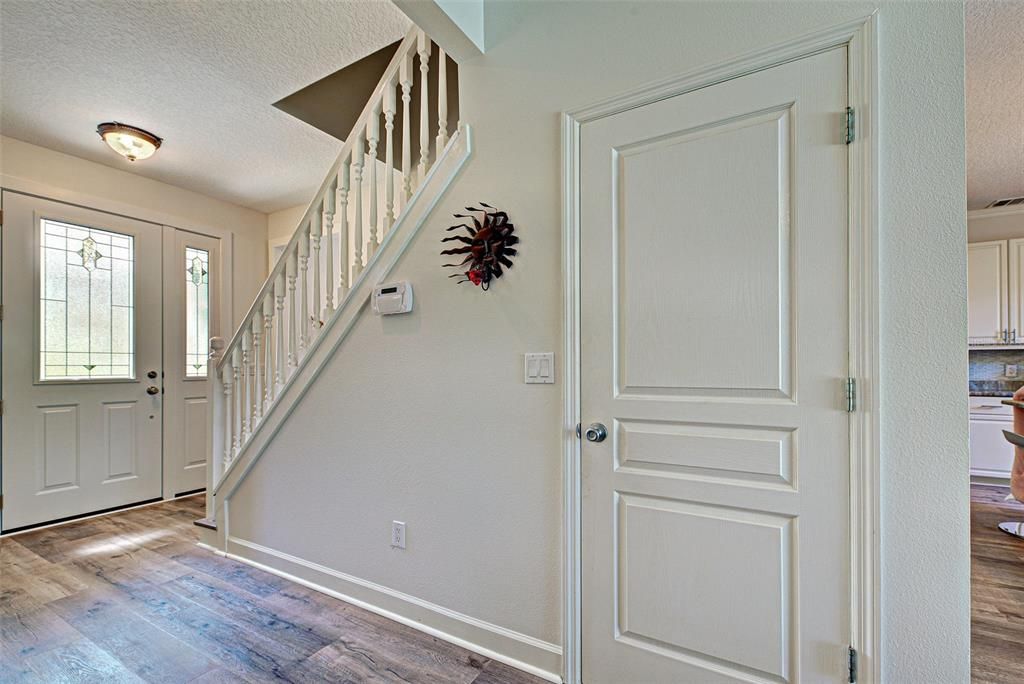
(368, 209)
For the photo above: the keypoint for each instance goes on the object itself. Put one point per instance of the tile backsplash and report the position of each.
(987, 373)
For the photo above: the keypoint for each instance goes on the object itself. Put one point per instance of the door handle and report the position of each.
(596, 432)
(152, 389)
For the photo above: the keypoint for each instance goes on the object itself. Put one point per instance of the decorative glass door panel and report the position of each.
(86, 307)
(197, 311)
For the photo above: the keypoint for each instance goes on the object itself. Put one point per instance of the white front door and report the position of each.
(191, 315)
(715, 515)
(81, 333)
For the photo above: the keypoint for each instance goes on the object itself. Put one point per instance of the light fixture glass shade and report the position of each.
(129, 141)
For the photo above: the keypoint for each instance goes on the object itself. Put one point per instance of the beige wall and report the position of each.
(282, 224)
(999, 224)
(52, 174)
(424, 418)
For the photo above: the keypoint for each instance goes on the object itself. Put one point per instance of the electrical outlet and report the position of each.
(1011, 370)
(398, 534)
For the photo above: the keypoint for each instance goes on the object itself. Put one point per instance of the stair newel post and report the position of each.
(220, 439)
(389, 155)
(424, 53)
(303, 289)
(343, 267)
(291, 269)
(257, 366)
(279, 367)
(372, 138)
(245, 394)
(316, 227)
(442, 101)
(236, 430)
(329, 200)
(268, 377)
(405, 75)
(357, 195)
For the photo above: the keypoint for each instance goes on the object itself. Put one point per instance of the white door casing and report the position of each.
(186, 443)
(77, 446)
(714, 345)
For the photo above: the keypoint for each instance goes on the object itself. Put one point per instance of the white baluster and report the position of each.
(329, 248)
(389, 155)
(304, 289)
(292, 267)
(357, 194)
(246, 393)
(424, 53)
(405, 78)
(316, 230)
(236, 363)
(268, 377)
(227, 374)
(343, 231)
(442, 101)
(279, 367)
(372, 137)
(257, 366)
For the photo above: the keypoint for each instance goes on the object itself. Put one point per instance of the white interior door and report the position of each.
(192, 277)
(81, 330)
(714, 328)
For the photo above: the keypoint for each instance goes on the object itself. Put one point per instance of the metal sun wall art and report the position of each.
(488, 246)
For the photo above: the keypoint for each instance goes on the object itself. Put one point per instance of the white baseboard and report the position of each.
(535, 656)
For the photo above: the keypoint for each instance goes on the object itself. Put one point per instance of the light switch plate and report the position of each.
(1011, 370)
(539, 368)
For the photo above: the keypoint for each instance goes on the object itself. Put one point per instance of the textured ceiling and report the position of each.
(202, 75)
(995, 100)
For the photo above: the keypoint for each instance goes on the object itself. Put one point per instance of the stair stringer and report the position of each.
(440, 177)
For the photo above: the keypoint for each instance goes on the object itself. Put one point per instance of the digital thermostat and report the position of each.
(392, 298)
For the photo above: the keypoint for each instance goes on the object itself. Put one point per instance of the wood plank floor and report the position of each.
(997, 589)
(129, 598)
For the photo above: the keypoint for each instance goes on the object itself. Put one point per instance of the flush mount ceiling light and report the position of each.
(128, 141)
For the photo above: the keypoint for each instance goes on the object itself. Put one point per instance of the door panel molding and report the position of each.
(860, 39)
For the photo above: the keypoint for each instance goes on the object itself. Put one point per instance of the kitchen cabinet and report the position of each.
(991, 454)
(988, 290)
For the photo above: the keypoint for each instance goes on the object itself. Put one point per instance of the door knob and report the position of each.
(596, 432)
(152, 390)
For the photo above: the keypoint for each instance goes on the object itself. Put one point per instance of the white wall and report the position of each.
(62, 177)
(995, 224)
(425, 419)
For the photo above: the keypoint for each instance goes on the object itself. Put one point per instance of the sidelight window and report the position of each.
(197, 311)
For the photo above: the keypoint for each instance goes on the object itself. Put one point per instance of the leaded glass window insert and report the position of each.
(197, 311)
(87, 303)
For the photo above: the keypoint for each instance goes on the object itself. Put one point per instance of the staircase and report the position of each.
(358, 223)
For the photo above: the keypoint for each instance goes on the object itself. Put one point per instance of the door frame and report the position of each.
(860, 37)
(160, 219)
